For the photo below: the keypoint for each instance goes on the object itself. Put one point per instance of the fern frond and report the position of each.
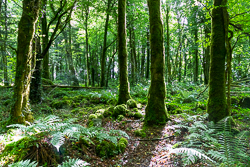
(26, 163)
(74, 163)
(191, 152)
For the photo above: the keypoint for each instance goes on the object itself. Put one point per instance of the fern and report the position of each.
(74, 163)
(25, 163)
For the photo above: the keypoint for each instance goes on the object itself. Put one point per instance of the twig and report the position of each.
(154, 139)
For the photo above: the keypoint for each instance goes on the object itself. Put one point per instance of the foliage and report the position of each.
(57, 131)
(217, 143)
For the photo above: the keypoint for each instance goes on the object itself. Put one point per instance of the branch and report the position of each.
(13, 48)
(111, 44)
(239, 14)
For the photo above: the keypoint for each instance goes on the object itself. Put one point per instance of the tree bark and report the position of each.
(26, 29)
(5, 65)
(168, 47)
(87, 45)
(45, 39)
(104, 49)
(216, 107)
(124, 94)
(156, 112)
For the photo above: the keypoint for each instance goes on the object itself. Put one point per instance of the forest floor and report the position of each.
(149, 150)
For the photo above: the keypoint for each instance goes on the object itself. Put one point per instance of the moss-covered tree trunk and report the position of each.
(26, 28)
(45, 39)
(217, 105)
(124, 94)
(87, 45)
(156, 112)
(5, 65)
(36, 81)
(168, 47)
(148, 56)
(206, 60)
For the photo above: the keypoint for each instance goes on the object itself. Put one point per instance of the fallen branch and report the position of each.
(154, 139)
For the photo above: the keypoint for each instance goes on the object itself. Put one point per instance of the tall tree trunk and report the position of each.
(168, 47)
(104, 49)
(148, 56)
(45, 39)
(132, 57)
(36, 81)
(6, 79)
(70, 59)
(156, 112)
(21, 108)
(196, 59)
(216, 107)
(87, 44)
(142, 61)
(124, 94)
(206, 58)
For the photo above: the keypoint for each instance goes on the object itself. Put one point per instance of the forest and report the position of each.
(124, 83)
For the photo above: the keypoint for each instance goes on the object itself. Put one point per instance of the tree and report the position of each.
(216, 106)
(156, 112)
(26, 29)
(124, 94)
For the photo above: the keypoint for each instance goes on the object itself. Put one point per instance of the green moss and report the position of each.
(92, 116)
(106, 149)
(131, 103)
(112, 102)
(99, 115)
(140, 133)
(119, 110)
(120, 117)
(123, 140)
(130, 114)
(61, 104)
(47, 81)
(138, 115)
(135, 110)
(101, 111)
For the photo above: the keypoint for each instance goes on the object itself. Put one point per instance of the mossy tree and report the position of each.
(156, 112)
(124, 94)
(217, 105)
(26, 29)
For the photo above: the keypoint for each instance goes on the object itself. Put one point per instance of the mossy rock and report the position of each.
(47, 82)
(101, 111)
(106, 149)
(120, 117)
(92, 116)
(112, 102)
(119, 110)
(99, 115)
(131, 103)
(59, 94)
(199, 110)
(138, 115)
(130, 114)
(122, 144)
(140, 133)
(135, 110)
(61, 104)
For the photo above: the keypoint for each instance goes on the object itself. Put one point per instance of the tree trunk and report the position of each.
(168, 47)
(196, 59)
(207, 58)
(132, 56)
(156, 112)
(148, 56)
(70, 59)
(26, 29)
(142, 61)
(36, 81)
(5, 66)
(104, 49)
(45, 39)
(124, 94)
(216, 107)
(87, 45)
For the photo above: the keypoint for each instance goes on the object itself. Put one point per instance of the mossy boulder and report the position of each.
(112, 102)
(119, 110)
(47, 81)
(101, 111)
(131, 103)
(140, 133)
(61, 104)
(106, 149)
(135, 110)
(108, 112)
(122, 144)
(92, 116)
(120, 117)
(138, 115)
(99, 115)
